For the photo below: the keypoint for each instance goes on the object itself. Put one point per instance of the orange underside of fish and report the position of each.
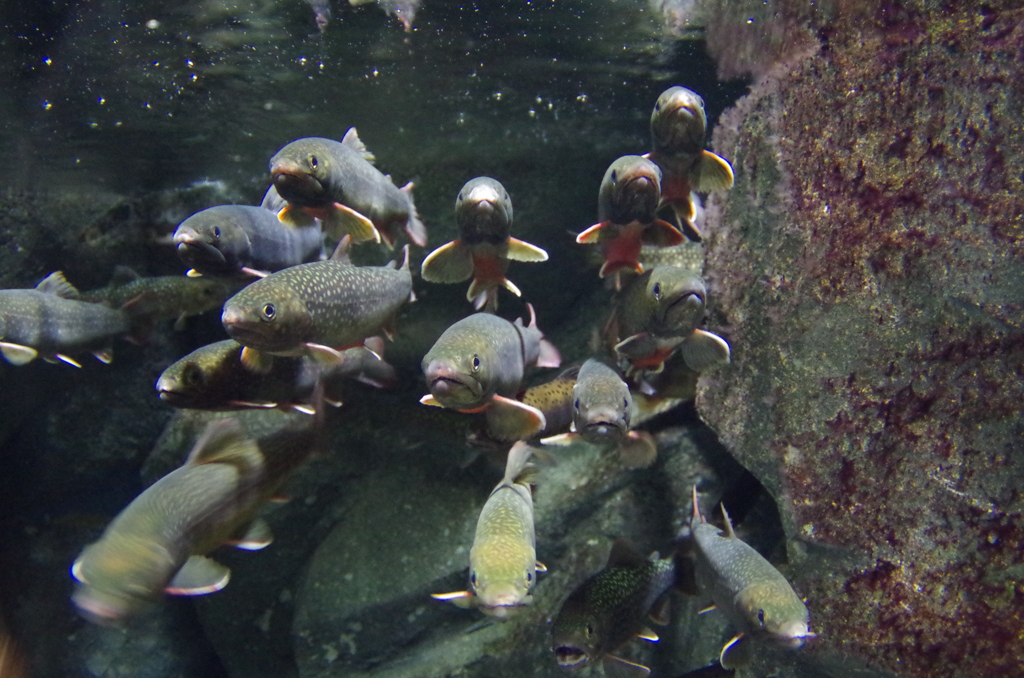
(489, 269)
(623, 251)
(675, 191)
(654, 360)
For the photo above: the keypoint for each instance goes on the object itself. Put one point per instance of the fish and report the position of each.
(503, 559)
(213, 377)
(229, 240)
(627, 213)
(403, 10)
(678, 127)
(335, 182)
(483, 214)
(609, 609)
(51, 321)
(477, 365)
(752, 594)
(160, 541)
(321, 13)
(317, 309)
(657, 314)
(150, 300)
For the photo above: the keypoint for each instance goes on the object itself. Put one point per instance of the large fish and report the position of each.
(754, 595)
(159, 542)
(231, 239)
(213, 377)
(503, 559)
(678, 127)
(658, 313)
(478, 364)
(627, 209)
(483, 213)
(609, 609)
(317, 309)
(51, 321)
(149, 300)
(336, 183)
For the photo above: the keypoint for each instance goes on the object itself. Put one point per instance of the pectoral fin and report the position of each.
(464, 599)
(509, 419)
(617, 667)
(713, 173)
(325, 356)
(341, 220)
(660, 233)
(637, 450)
(562, 439)
(519, 250)
(449, 263)
(293, 216)
(647, 634)
(16, 354)
(253, 537)
(592, 234)
(704, 350)
(430, 400)
(735, 653)
(256, 361)
(199, 576)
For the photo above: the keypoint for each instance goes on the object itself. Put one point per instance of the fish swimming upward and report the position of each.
(627, 209)
(478, 364)
(483, 213)
(150, 300)
(317, 309)
(159, 542)
(335, 182)
(678, 127)
(232, 239)
(213, 377)
(754, 595)
(51, 321)
(658, 313)
(403, 10)
(609, 609)
(503, 560)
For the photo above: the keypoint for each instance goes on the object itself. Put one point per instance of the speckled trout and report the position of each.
(336, 183)
(503, 560)
(317, 309)
(748, 589)
(483, 213)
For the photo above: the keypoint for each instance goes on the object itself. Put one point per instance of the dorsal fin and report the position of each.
(123, 275)
(352, 140)
(729, 534)
(56, 284)
(224, 441)
(341, 252)
(624, 554)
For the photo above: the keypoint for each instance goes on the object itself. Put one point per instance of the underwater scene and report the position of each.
(419, 338)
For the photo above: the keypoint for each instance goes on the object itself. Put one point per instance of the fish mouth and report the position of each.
(193, 249)
(569, 657)
(451, 388)
(297, 186)
(606, 429)
(684, 311)
(792, 635)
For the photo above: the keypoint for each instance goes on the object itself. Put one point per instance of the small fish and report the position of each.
(483, 213)
(53, 322)
(159, 542)
(754, 595)
(609, 609)
(658, 313)
(337, 183)
(317, 309)
(627, 208)
(231, 239)
(478, 364)
(403, 10)
(213, 377)
(678, 127)
(321, 13)
(503, 560)
(150, 300)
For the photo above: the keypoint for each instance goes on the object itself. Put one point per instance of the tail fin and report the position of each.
(414, 228)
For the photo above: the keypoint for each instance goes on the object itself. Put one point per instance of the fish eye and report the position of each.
(657, 107)
(657, 291)
(192, 376)
(589, 630)
(615, 176)
(268, 311)
(760, 617)
(216, 231)
(314, 163)
(472, 578)
(476, 362)
(625, 403)
(576, 404)
(529, 576)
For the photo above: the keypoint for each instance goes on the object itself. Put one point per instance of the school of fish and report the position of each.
(300, 321)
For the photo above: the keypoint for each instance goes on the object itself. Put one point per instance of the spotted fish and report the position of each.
(335, 182)
(659, 313)
(317, 309)
(478, 364)
(503, 560)
(51, 321)
(609, 609)
(231, 239)
(627, 213)
(678, 127)
(483, 213)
